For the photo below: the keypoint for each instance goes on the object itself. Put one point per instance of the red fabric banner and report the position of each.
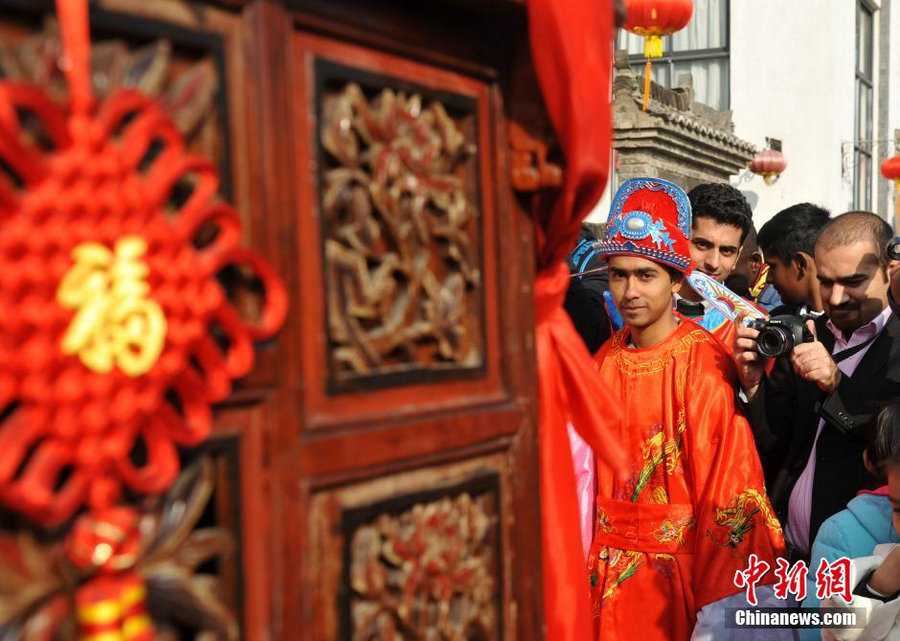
(572, 52)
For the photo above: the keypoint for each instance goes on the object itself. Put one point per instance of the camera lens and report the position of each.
(893, 249)
(774, 341)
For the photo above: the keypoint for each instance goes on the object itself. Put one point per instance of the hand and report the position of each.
(751, 367)
(886, 579)
(813, 362)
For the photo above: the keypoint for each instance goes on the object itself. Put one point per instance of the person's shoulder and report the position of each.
(834, 533)
(597, 282)
(856, 529)
(865, 522)
(893, 323)
(698, 339)
(588, 312)
(869, 506)
(891, 345)
(873, 512)
(708, 356)
(579, 289)
(616, 342)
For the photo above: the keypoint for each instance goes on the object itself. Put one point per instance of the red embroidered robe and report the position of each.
(669, 538)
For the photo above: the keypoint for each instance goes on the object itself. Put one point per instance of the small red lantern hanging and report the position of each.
(654, 19)
(769, 164)
(890, 169)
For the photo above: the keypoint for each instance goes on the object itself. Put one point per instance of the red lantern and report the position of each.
(890, 169)
(769, 164)
(653, 19)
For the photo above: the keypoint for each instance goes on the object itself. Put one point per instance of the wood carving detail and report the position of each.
(529, 168)
(401, 235)
(184, 80)
(185, 89)
(429, 572)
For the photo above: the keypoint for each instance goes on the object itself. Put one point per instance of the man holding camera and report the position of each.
(815, 407)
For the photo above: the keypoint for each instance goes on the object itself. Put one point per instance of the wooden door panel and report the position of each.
(360, 451)
(240, 450)
(421, 549)
(398, 226)
(416, 502)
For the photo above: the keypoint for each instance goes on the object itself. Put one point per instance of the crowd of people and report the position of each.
(767, 438)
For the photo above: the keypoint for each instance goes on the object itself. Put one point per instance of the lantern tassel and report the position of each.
(646, 84)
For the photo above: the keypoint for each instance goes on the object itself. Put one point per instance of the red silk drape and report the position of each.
(572, 53)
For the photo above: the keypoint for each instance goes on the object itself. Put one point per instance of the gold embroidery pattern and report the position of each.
(603, 522)
(675, 450)
(631, 367)
(622, 565)
(657, 450)
(673, 531)
(737, 518)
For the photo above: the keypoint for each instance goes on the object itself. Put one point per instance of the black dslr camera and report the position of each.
(780, 334)
(893, 248)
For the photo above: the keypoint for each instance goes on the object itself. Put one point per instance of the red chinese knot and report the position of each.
(109, 178)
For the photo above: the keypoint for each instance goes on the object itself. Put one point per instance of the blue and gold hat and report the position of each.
(649, 218)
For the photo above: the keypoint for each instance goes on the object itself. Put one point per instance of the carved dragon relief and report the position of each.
(401, 235)
(429, 572)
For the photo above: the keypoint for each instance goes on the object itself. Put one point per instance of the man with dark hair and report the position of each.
(788, 241)
(722, 218)
(724, 204)
(746, 272)
(818, 402)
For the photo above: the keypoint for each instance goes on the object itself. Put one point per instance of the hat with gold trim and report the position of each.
(649, 218)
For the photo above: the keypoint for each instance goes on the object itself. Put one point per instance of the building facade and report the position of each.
(819, 77)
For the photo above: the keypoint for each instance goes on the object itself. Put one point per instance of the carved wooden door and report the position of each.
(376, 474)
(415, 495)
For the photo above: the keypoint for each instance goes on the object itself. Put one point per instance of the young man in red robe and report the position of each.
(669, 538)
